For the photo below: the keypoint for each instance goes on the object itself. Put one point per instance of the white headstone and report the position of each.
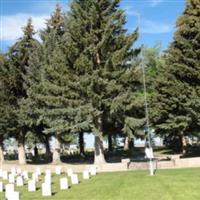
(35, 177)
(64, 184)
(47, 179)
(93, 171)
(25, 175)
(11, 178)
(5, 175)
(1, 173)
(1, 186)
(13, 171)
(38, 171)
(70, 172)
(19, 181)
(48, 172)
(86, 174)
(13, 196)
(31, 186)
(58, 170)
(46, 189)
(74, 179)
(19, 171)
(9, 188)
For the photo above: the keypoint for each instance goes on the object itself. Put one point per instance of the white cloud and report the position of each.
(11, 25)
(130, 11)
(156, 2)
(152, 27)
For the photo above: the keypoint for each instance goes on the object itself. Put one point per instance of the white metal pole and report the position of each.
(151, 167)
(151, 170)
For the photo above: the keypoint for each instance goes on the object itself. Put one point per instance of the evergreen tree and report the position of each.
(99, 51)
(7, 116)
(18, 56)
(177, 101)
(50, 95)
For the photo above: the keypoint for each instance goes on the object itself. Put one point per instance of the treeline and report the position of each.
(84, 75)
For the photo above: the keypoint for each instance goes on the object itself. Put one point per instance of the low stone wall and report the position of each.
(125, 165)
(108, 167)
(179, 163)
(175, 162)
(31, 168)
(187, 162)
(113, 167)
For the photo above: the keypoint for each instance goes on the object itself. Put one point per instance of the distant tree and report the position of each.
(177, 99)
(153, 60)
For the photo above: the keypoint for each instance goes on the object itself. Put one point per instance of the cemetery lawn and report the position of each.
(179, 184)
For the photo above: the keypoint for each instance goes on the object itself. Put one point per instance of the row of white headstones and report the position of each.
(17, 176)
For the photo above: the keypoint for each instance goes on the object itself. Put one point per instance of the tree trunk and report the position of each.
(99, 151)
(1, 152)
(35, 151)
(110, 146)
(81, 144)
(21, 149)
(131, 144)
(183, 144)
(56, 152)
(126, 143)
(47, 146)
(98, 143)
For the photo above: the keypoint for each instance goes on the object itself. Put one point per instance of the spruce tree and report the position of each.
(99, 51)
(7, 116)
(51, 92)
(4, 105)
(177, 101)
(18, 56)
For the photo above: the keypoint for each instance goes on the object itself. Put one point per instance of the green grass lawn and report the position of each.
(180, 184)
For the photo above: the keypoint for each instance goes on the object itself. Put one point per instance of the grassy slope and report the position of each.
(182, 184)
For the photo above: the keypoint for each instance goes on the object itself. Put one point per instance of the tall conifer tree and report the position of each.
(7, 114)
(99, 51)
(50, 94)
(177, 101)
(19, 55)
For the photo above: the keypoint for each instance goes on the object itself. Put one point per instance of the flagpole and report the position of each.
(151, 168)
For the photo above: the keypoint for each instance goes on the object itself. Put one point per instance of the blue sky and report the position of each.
(157, 18)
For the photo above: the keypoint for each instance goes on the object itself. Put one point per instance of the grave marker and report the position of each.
(11, 178)
(58, 170)
(19, 181)
(1, 186)
(74, 179)
(70, 172)
(5, 175)
(38, 171)
(86, 174)
(9, 188)
(25, 175)
(46, 189)
(13, 171)
(47, 179)
(48, 172)
(31, 186)
(35, 177)
(13, 196)
(1, 173)
(64, 184)
(19, 171)
(93, 171)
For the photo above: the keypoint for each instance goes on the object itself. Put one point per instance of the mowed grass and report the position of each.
(179, 184)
